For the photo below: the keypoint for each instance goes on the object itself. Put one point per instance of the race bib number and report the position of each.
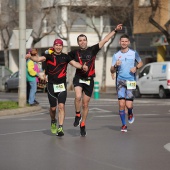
(85, 82)
(59, 87)
(131, 84)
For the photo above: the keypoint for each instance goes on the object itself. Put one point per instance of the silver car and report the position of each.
(13, 82)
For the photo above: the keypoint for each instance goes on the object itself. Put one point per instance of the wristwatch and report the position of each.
(115, 30)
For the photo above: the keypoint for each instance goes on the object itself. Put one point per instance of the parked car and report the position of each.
(12, 83)
(154, 78)
(4, 75)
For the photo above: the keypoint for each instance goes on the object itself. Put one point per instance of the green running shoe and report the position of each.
(53, 127)
(60, 132)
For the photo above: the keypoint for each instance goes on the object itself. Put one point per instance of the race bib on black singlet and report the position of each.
(59, 87)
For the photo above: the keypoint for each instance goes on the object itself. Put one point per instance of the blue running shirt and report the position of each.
(128, 61)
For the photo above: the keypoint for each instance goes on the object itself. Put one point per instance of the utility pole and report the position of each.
(22, 53)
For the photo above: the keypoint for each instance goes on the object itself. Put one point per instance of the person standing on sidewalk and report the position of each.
(84, 81)
(57, 62)
(125, 63)
(32, 75)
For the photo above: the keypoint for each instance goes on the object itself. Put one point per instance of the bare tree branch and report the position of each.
(154, 6)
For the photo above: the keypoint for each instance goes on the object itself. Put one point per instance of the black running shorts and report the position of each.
(54, 97)
(87, 89)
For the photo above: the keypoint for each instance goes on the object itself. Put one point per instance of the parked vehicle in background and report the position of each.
(154, 78)
(12, 83)
(4, 75)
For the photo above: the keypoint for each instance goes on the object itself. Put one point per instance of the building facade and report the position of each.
(158, 47)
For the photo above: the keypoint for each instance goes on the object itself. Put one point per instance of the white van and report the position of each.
(154, 78)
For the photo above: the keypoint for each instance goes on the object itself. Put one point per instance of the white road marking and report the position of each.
(107, 116)
(147, 114)
(135, 115)
(98, 110)
(34, 119)
(20, 132)
(21, 115)
(167, 146)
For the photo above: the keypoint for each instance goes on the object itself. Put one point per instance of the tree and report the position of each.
(7, 24)
(38, 18)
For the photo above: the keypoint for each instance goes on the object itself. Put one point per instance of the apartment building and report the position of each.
(147, 34)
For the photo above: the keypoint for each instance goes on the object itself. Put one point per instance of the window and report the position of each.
(144, 72)
(15, 75)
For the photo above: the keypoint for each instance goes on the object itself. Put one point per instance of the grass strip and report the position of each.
(8, 105)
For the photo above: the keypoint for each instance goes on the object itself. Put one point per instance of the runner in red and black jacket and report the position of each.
(83, 81)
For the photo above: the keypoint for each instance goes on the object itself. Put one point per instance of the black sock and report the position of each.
(53, 121)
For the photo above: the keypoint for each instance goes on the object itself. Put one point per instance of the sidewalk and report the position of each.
(8, 112)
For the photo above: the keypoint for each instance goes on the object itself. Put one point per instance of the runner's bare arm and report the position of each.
(78, 65)
(134, 69)
(110, 35)
(112, 69)
(35, 58)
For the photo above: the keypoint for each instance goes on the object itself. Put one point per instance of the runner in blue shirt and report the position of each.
(125, 63)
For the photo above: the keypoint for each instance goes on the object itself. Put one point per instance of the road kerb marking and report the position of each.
(167, 147)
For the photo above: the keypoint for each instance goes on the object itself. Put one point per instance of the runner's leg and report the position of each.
(77, 101)
(85, 106)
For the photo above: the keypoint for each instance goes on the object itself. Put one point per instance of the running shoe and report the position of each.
(131, 118)
(60, 132)
(77, 121)
(82, 130)
(124, 128)
(54, 127)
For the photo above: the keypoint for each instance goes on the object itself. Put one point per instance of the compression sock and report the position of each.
(130, 111)
(122, 116)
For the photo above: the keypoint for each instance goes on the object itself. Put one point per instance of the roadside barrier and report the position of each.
(96, 90)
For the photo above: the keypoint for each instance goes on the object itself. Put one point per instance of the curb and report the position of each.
(29, 109)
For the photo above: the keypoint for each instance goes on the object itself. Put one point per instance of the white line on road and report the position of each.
(13, 133)
(34, 119)
(147, 114)
(135, 115)
(98, 110)
(107, 116)
(167, 146)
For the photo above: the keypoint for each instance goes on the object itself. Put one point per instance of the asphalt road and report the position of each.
(26, 142)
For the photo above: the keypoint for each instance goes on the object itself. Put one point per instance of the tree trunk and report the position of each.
(6, 57)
